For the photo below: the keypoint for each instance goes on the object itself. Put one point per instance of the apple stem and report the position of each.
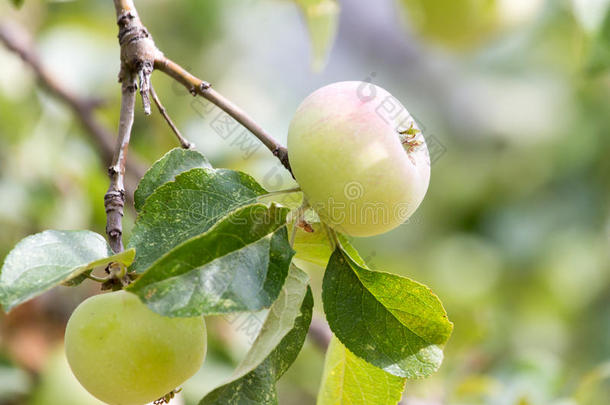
(97, 279)
(280, 192)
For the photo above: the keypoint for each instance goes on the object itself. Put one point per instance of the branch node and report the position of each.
(114, 199)
(124, 18)
(113, 171)
(114, 202)
(129, 86)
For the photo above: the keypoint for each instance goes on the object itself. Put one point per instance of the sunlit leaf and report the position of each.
(44, 260)
(348, 379)
(390, 321)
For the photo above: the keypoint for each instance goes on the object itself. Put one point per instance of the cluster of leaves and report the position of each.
(204, 244)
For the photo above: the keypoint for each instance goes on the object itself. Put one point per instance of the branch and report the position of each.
(197, 86)
(17, 41)
(138, 51)
(139, 57)
(114, 200)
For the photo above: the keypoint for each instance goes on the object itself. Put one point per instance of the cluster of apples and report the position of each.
(361, 163)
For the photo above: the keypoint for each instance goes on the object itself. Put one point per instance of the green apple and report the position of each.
(125, 354)
(359, 158)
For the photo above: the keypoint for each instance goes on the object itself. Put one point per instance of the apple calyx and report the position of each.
(408, 138)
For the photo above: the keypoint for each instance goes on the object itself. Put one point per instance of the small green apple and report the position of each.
(359, 158)
(125, 354)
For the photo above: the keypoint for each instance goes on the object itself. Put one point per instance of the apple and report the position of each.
(125, 354)
(359, 158)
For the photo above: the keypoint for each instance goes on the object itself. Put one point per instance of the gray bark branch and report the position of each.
(114, 200)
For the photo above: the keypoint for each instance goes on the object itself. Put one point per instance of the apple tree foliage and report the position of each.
(205, 243)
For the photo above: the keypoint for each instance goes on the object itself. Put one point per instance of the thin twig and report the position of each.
(17, 40)
(184, 143)
(114, 200)
(197, 86)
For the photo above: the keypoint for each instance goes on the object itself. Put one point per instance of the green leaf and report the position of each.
(390, 321)
(187, 207)
(322, 18)
(240, 264)
(348, 379)
(166, 169)
(275, 349)
(44, 260)
(17, 3)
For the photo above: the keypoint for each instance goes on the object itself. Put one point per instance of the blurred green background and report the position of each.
(514, 232)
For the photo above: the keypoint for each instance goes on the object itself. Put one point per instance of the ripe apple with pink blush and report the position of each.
(359, 158)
